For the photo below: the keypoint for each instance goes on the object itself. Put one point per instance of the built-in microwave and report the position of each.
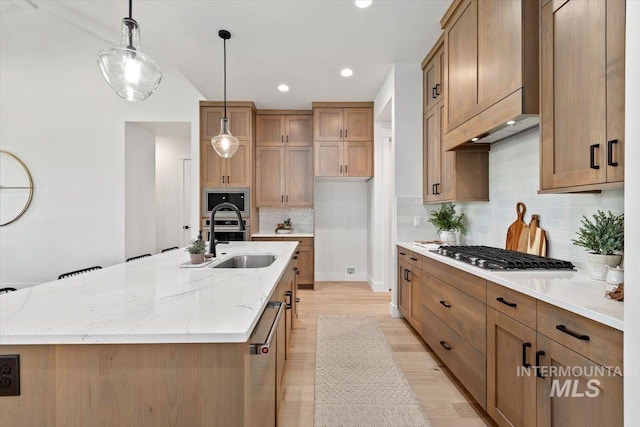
(213, 196)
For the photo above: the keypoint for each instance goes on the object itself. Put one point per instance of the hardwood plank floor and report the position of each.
(444, 400)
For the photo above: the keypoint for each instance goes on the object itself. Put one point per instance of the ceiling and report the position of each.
(303, 43)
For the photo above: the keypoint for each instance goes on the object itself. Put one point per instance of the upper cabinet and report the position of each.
(284, 159)
(343, 139)
(237, 170)
(489, 69)
(582, 72)
(432, 69)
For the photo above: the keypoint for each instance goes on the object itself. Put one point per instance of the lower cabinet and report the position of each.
(304, 258)
(410, 291)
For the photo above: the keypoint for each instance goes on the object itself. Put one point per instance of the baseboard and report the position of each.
(376, 286)
(340, 277)
(393, 311)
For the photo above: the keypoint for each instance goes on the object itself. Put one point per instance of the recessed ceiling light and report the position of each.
(347, 72)
(283, 88)
(511, 122)
(474, 139)
(363, 3)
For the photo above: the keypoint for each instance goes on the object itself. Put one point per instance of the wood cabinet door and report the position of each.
(446, 188)
(213, 167)
(576, 393)
(298, 176)
(358, 158)
(511, 378)
(358, 124)
(270, 129)
(305, 265)
(210, 122)
(239, 166)
(574, 116)
(328, 124)
(415, 318)
(269, 176)
(404, 290)
(239, 122)
(499, 50)
(431, 79)
(328, 158)
(431, 154)
(298, 130)
(461, 39)
(616, 16)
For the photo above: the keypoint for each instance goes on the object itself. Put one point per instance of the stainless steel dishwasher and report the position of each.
(263, 347)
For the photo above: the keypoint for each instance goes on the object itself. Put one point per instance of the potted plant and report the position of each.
(447, 222)
(197, 250)
(285, 227)
(603, 237)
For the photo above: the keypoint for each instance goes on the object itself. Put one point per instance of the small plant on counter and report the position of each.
(445, 219)
(604, 235)
(197, 247)
(287, 223)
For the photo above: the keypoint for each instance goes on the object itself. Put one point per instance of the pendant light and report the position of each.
(225, 144)
(133, 75)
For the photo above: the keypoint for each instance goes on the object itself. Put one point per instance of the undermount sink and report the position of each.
(246, 261)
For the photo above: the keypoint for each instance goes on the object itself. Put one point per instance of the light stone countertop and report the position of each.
(574, 291)
(273, 234)
(150, 300)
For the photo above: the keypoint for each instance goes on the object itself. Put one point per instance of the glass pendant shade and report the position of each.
(133, 75)
(225, 144)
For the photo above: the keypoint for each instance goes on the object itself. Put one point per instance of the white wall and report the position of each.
(632, 227)
(301, 219)
(139, 191)
(59, 115)
(169, 150)
(340, 229)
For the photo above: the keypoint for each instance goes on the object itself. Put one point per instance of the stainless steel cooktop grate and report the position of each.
(501, 259)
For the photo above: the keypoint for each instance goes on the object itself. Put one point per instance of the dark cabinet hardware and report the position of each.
(564, 329)
(538, 355)
(408, 275)
(445, 345)
(437, 89)
(346, 133)
(281, 138)
(433, 92)
(223, 179)
(185, 227)
(524, 354)
(433, 189)
(510, 304)
(402, 253)
(287, 199)
(413, 259)
(340, 168)
(297, 252)
(282, 198)
(298, 299)
(287, 138)
(345, 168)
(295, 257)
(340, 133)
(288, 294)
(592, 156)
(610, 161)
(436, 189)
(446, 304)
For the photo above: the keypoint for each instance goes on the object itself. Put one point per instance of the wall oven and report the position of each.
(226, 230)
(213, 196)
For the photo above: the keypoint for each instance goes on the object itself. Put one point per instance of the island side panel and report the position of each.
(137, 384)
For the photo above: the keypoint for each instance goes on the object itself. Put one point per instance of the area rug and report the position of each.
(358, 379)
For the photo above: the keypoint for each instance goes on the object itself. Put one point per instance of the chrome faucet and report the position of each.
(223, 205)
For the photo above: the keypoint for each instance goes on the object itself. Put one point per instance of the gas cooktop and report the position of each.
(490, 258)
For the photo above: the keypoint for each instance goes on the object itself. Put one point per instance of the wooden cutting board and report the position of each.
(515, 229)
(537, 239)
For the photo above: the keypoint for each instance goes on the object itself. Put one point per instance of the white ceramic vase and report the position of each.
(597, 265)
(448, 237)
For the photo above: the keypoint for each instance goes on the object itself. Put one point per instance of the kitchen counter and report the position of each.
(574, 291)
(150, 300)
(274, 234)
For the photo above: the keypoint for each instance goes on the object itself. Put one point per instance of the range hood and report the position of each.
(507, 130)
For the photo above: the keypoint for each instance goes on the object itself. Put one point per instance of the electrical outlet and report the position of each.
(351, 270)
(417, 221)
(10, 375)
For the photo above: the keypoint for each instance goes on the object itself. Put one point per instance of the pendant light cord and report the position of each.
(130, 8)
(224, 42)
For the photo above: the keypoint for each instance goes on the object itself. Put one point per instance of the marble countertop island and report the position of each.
(574, 291)
(150, 300)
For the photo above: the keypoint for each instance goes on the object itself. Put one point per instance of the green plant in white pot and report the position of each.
(196, 251)
(603, 237)
(447, 222)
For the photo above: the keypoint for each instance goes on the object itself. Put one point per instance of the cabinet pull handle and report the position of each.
(592, 156)
(297, 299)
(433, 92)
(281, 138)
(402, 253)
(510, 304)
(228, 179)
(295, 257)
(346, 133)
(445, 345)
(281, 198)
(437, 185)
(524, 354)
(287, 199)
(438, 89)
(408, 275)
(346, 168)
(433, 189)
(288, 294)
(564, 329)
(538, 354)
(610, 161)
(340, 168)
(340, 133)
(413, 259)
(297, 252)
(287, 138)
(223, 179)
(446, 304)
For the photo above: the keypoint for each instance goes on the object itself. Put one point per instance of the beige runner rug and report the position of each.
(358, 379)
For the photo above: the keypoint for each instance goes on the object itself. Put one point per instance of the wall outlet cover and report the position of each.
(351, 270)
(417, 221)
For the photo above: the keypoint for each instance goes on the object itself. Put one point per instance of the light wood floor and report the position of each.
(445, 401)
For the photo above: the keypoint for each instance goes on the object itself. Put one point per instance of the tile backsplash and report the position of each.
(302, 219)
(514, 177)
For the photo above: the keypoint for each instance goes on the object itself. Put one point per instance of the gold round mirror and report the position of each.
(16, 188)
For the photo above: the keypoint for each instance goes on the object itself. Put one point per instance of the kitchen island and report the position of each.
(144, 343)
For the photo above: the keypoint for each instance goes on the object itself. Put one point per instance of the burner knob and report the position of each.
(445, 252)
(457, 255)
(482, 263)
(473, 260)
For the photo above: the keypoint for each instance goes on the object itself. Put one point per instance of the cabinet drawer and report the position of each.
(469, 366)
(464, 314)
(512, 303)
(304, 241)
(593, 340)
(410, 257)
(267, 239)
(466, 282)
